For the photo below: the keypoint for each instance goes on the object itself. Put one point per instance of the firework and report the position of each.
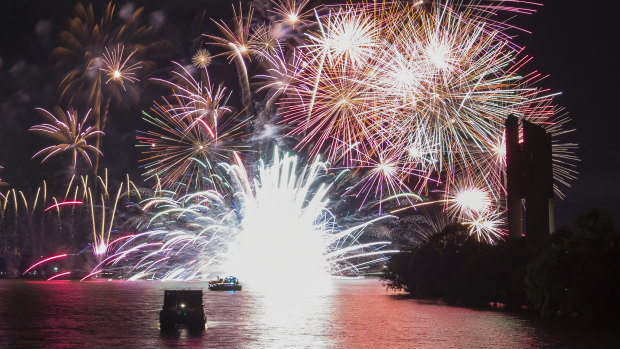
(486, 226)
(19, 201)
(200, 101)
(406, 98)
(184, 152)
(434, 83)
(195, 132)
(117, 69)
(101, 237)
(347, 37)
(236, 45)
(287, 223)
(335, 113)
(235, 41)
(202, 58)
(282, 216)
(469, 196)
(66, 216)
(69, 132)
(92, 46)
(292, 12)
(91, 49)
(382, 172)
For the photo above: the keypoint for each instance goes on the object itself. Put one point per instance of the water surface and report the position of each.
(356, 314)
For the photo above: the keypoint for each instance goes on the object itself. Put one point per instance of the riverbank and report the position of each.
(573, 275)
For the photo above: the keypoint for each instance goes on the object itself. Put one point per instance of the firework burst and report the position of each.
(201, 102)
(195, 132)
(117, 69)
(70, 133)
(202, 58)
(183, 153)
(281, 216)
(292, 12)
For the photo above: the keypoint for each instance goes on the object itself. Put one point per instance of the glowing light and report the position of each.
(288, 231)
(100, 248)
(439, 55)
(474, 199)
(486, 226)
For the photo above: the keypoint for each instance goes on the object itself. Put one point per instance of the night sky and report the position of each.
(574, 42)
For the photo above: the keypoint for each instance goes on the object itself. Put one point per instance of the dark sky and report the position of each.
(574, 42)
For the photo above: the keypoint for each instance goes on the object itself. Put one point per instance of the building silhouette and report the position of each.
(529, 176)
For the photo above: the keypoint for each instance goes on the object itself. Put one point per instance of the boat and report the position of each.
(182, 308)
(230, 283)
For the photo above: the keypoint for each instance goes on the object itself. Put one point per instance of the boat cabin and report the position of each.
(182, 308)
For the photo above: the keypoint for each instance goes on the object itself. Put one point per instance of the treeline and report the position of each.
(573, 274)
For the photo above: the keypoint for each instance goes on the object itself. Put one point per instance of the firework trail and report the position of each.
(31, 219)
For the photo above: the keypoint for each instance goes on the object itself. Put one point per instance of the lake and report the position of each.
(354, 313)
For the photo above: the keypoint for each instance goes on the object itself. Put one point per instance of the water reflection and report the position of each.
(183, 338)
(295, 318)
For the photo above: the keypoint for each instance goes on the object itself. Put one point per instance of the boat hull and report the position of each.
(225, 287)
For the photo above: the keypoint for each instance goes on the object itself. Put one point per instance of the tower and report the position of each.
(529, 175)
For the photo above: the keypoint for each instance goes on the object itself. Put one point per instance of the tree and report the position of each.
(575, 274)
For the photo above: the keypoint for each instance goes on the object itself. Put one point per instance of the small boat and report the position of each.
(182, 308)
(230, 283)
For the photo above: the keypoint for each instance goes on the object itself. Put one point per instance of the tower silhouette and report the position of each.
(529, 176)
